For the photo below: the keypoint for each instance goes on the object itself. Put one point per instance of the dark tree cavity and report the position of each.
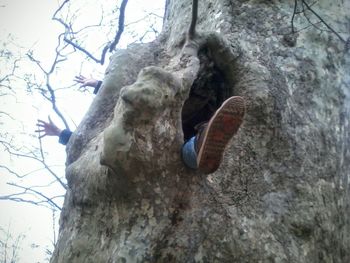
(208, 92)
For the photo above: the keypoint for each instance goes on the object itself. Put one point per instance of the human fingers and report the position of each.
(41, 121)
(80, 78)
(50, 120)
(40, 125)
(39, 130)
(41, 136)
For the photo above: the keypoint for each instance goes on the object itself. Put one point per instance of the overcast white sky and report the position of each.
(30, 25)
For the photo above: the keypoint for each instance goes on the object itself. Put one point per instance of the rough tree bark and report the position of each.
(282, 191)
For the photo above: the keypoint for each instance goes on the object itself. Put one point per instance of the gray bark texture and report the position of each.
(281, 193)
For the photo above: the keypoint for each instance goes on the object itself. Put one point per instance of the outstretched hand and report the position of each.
(48, 128)
(86, 82)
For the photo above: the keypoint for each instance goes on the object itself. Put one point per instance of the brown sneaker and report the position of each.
(213, 137)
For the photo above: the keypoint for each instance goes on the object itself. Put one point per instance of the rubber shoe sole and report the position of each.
(221, 128)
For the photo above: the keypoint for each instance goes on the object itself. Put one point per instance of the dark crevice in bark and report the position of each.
(209, 90)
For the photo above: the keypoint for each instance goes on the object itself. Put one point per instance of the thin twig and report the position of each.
(137, 21)
(306, 27)
(6, 77)
(60, 8)
(47, 199)
(8, 147)
(22, 200)
(52, 97)
(324, 22)
(78, 47)
(11, 171)
(8, 115)
(294, 12)
(54, 105)
(108, 47)
(315, 25)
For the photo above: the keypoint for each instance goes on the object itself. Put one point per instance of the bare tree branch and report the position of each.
(30, 190)
(8, 115)
(9, 246)
(5, 80)
(59, 9)
(321, 20)
(78, 47)
(324, 22)
(110, 46)
(54, 105)
(11, 171)
(14, 67)
(52, 97)
(9, 148)
(294, 13)
(120, 26)
(23, 200)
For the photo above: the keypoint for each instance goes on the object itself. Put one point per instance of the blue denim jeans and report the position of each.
(189, 155)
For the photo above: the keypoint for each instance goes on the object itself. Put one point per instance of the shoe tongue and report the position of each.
(199, 136)
(200, 126)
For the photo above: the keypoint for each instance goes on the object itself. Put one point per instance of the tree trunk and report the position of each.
(281, 193)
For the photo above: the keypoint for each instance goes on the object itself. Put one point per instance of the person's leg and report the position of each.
(189, 155)
(205, 150)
